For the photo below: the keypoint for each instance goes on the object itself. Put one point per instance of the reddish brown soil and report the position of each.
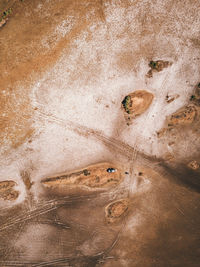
(184, 116)
(139, 102)
(7, 191)
(24, 58)
(115, 210)
(94, 176)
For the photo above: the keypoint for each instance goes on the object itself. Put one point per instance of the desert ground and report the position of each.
(100, 133)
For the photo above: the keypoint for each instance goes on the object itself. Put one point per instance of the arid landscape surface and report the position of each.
(100, 133)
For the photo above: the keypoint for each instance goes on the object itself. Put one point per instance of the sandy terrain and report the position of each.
(78, 186)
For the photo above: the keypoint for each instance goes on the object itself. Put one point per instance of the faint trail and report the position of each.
(41, 209)
(135, 152)
(49, 263)
(98, 258)
(34, 264)
(121, 147)
(53, 223)
(9, 249)
(116, 145)
(15, 263)
(27, 216)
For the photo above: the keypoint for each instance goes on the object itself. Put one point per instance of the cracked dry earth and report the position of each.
(99, 133)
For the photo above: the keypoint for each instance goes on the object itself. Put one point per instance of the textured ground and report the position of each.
(66, 66)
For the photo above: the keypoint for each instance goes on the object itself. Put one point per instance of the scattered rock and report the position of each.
(184, 116)
(4, 17)
(171, 98)
(136, 103)
(3, 22)
(102, 175)
(115, 210)
(7, 192)
(161, 132)
(171, 143)
(193, 165)
(157, 66)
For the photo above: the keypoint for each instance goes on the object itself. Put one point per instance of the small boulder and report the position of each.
(3, 22)
(171, 98)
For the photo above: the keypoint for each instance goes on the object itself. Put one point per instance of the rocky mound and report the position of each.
(115, 210)
(157, 66)
(102, 175)
(136, 103)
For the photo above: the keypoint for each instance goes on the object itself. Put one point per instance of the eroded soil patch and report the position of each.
(194, 165)
(184, 116)
(7, 191)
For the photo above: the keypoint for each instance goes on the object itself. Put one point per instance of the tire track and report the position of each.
(41, 209)
(115, 144)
